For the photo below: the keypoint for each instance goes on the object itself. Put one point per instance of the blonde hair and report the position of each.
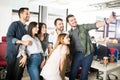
(60, 40)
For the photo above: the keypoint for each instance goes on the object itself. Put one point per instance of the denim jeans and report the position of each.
(10, 67)
(79, 60)
(33, 66)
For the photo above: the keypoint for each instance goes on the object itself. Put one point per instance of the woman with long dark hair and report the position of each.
(34, 51)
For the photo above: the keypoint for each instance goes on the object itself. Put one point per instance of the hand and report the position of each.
(27, 42)
(111, 18)
(23, 61)
(43, 63)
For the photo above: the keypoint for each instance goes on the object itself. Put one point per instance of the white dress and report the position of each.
(51, 69)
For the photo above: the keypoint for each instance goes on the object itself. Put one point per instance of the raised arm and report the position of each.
(106, 21)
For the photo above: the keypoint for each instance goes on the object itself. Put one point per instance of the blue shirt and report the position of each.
(15, 32)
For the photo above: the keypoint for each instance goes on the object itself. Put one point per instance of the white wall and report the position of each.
(5, 16)
(6, 7)
(16, 4)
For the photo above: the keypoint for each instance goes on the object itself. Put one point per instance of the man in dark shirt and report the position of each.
(15, 32)
(81, 46)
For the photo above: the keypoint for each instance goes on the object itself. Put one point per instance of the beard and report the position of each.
(61, 29)
(27, 19)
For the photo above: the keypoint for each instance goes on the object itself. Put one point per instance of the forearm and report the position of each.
(63, 65)
(102, 23)
(24, 54)
(28, 42)
(20, 42)
(106, 21)
(49, 49)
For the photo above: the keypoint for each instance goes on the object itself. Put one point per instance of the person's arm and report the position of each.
(43, 62)
(28, 42)
(50, 44)
(50, 48)
(106, 21)
(11, 35)
(23, 55)
(22, 51)
(63, 62)
(23, 60)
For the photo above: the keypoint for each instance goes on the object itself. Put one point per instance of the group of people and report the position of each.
(46, 54)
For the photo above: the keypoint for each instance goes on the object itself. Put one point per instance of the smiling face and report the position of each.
(59, 25)
(25, 15)
(66, 40)
(72, 21)
(44, 29)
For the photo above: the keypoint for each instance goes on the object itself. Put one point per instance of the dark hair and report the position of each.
(40, 27)
(21, 10)
(57, 20)
(69, 17)
(30, 27)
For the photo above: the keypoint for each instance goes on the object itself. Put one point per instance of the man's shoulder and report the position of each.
(15, 23)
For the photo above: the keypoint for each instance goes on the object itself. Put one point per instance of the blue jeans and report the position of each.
(33, 66)
(79, 60)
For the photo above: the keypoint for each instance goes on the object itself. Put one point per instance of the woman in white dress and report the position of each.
(55, 66)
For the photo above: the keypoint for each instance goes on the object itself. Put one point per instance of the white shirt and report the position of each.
(53, 38)
(34, 48)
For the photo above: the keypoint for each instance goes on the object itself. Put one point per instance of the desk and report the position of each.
(106, 70)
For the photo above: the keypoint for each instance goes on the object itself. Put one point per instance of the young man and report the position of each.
(81, 46)
(15, 32)
(59, 27)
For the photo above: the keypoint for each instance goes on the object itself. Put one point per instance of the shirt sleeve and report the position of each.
(90, 26)
(22, 48)
(14, 40)
(11, 33)
(26, 37)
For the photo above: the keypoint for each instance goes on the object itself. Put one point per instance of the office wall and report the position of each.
(6, 7)
(5, 16)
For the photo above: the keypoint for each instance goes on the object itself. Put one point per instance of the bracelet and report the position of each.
(105, 21)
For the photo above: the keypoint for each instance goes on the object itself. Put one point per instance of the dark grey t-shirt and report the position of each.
(76, 40)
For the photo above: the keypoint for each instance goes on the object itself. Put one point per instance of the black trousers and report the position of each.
(14, 72)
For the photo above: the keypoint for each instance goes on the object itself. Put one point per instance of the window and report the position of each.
(33, 16)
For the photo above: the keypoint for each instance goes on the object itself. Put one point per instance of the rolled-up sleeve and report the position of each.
(11, 37)
(14, 40)
(90, 26)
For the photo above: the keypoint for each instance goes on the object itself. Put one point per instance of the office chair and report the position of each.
(3, 63)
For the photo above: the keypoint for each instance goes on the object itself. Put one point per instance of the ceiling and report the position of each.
(83, 4)
(109, 4)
